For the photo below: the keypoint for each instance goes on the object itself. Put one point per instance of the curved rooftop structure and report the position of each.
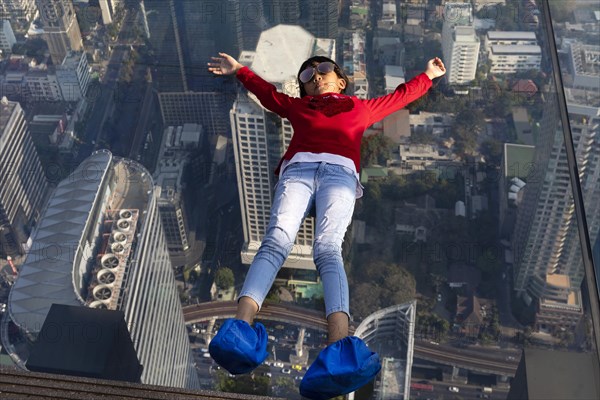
(392, 330)
(101, 244)
(47, 275)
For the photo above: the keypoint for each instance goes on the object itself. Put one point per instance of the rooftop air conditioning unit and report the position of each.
(119, 237)
(125, 214)
(123, 225)
(117, 248)
(105, 277)
(98, 304)
(102, 292)
(109, 261)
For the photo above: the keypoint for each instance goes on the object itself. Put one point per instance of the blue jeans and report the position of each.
(331, 190)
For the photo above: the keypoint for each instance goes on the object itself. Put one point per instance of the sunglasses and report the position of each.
(322, 68)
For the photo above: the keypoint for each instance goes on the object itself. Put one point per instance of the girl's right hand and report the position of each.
(224, 65)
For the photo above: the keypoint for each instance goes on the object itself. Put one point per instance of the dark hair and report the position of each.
(315, 60)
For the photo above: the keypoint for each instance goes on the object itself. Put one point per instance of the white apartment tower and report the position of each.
(100, 244)
(260, 137)
(23, 185)
(460, 44)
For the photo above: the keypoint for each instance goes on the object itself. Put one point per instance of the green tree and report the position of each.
(507, 16)
(469, 123)
(378, 285)
(224, 278)
(364, 299)
(374, 150)
(492, 150)
(245, 384)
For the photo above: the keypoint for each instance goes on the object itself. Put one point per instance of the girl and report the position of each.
(318, 171)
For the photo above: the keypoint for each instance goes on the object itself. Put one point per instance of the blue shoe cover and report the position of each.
(340, 368)
(238, 347)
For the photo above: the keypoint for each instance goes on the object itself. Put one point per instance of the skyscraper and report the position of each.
(100, 244)
(548, 262)
(460, 44)
(260, 137)
(23, 185)
(61, 29)
(320, 17)
(17, 10)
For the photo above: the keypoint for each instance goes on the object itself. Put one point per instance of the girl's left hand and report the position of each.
(435, 68)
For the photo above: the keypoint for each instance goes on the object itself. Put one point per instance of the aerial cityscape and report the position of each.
(136, 189)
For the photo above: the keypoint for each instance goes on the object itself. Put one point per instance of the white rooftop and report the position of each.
(280, 52)
(517, 49)
(464, 33)
(191, 133)
(394, 76)
(523, 35)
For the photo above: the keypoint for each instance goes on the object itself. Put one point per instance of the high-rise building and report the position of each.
(251, 17)
(260, 137)
(73, 76)
(175, 150)
(18, 10)
(23, 185)
(100, 244)
(186, 33)
(61, 29)
(319, 17)
(208, 109)
(392, 331)
(460, 44)
(7, 37)
(548, 262)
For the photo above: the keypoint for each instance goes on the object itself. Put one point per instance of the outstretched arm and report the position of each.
(405, 93)
(265, 92)
(435, 68)
(224, 65)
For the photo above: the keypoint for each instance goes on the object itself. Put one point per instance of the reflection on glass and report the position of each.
(464, 249)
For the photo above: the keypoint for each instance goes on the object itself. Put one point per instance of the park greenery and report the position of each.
(224, 278)
(378, 284)
(254, 383)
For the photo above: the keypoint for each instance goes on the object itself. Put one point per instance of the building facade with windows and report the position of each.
(460, 43)
(7, 37)
(42, 85)
(18, 10)
(23, 184)
(61, 29)
(509, 59)
(260, 137)
(392, 330)
(73, 76)
(548, 261)
(176, 148)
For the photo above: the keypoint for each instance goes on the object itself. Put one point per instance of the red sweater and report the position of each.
(331, 123)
